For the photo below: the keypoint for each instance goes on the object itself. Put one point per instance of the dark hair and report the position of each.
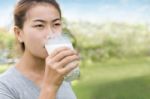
(23, 6)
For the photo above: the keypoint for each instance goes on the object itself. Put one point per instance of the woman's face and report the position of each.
(41, 21)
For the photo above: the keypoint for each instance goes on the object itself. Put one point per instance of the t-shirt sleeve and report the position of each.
(5, 92)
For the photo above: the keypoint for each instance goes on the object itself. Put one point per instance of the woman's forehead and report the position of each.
(45, 12)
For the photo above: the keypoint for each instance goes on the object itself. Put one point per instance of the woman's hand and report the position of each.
(56, 68)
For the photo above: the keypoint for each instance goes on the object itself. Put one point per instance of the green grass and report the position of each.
(114, 79)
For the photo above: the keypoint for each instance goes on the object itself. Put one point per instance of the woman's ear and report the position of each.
(19, 34)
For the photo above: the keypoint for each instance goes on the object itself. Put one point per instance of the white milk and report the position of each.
(62, 41)
(51, 47)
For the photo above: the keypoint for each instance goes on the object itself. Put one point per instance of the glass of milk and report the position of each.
(62, 41)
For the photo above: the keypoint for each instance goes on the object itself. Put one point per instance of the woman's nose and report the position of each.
(53, 33)
(51, 30)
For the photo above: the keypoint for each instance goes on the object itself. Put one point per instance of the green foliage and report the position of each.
(7, 42)
(101, 42)
(3, 68)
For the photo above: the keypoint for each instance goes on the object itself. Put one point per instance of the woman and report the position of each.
(38, 75)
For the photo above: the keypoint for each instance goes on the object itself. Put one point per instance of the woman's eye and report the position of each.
(57, 24)
(39, 25)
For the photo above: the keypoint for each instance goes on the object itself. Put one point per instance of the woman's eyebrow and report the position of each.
(57, 19)
(43, 21)
(39, 20)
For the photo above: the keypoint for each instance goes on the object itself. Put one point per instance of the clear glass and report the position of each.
(61, 41)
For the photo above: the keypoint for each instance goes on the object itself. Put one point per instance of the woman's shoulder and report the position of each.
(7, 84)
(13, 78)
(14, 84)
(8, 75)
(9, 78)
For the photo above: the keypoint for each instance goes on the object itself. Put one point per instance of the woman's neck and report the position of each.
(31, 67)
(32, 63)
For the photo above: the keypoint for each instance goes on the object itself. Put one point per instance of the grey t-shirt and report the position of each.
(14, 85)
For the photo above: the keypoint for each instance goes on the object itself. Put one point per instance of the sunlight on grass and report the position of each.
(111, 79)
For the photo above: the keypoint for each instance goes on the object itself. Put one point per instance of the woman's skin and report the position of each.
(46, 71)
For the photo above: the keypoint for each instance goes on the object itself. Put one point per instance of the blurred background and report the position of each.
(113, 37)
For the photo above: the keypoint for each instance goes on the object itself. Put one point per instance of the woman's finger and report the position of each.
(68, 60)
(69, 67)
(64, 54)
